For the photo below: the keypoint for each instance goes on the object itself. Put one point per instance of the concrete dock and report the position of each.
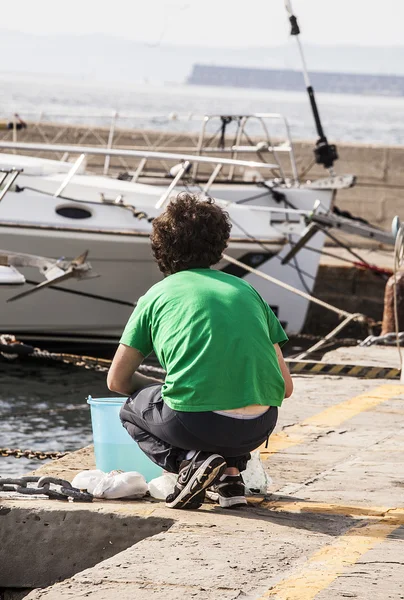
(331, 527)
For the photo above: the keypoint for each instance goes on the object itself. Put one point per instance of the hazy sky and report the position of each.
(213, 22)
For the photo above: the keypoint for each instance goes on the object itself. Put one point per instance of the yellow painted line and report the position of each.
(328, 563)
(331, 417)
(377, 512)
(335, 415)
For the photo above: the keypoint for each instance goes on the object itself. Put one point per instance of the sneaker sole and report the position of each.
(232, 502)
(206, 475)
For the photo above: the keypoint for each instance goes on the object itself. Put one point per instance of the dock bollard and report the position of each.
(388, 323)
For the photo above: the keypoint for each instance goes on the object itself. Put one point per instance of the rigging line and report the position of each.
(214, 136)
(343, 259)
(52, 194)
(254, 239)
(256, 197)
(259, 152)
(238, 121)
(297, 266)
(46, 193)
(306, 169)
(329, 287)
(85, 294)
(137, 214)
(340, 243)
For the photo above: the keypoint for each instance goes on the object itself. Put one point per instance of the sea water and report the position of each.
(346, 117)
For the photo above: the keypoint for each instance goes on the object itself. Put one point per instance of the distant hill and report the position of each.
(107, 58)
(289, 80)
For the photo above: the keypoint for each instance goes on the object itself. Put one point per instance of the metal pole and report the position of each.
(70, 174)
(96, 151)
(325, 153)
(13, 176)
(329, 336)
(139, 169)
(212, 178)
(172, 185)
(110, 141)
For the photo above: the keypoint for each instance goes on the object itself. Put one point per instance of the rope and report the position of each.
(85, 294)
(398, 261)
(342, 313)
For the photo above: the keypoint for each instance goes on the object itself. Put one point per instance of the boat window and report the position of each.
(71, 211)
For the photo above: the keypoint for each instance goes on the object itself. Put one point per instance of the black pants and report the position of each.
(165, 435)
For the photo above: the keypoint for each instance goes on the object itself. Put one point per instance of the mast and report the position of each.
(325, 153)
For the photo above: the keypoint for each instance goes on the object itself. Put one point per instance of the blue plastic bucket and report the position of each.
(114, 449)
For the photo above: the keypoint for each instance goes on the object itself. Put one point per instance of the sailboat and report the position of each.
(55, 208)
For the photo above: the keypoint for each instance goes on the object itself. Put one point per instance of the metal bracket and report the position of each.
(9, 176)
(55, 271)
(336, 182)
(172, 185)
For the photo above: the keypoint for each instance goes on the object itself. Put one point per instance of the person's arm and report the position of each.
(285, 372)
(122, 376)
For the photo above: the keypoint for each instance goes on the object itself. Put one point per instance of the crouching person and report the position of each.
(219, 343)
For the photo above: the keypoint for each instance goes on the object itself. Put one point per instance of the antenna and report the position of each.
(325, 153)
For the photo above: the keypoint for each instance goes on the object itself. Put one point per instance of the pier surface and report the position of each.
(332, 526)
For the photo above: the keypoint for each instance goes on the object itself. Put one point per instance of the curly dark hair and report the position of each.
(190, 234)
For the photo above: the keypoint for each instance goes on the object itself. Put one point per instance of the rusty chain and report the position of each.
(100, 365)
(64, 489)
(11, 348)
(39, 454)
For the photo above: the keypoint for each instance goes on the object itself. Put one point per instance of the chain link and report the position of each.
(39, 454)
(11, 348)
(100, 365)
(64, 489)
(389, 339)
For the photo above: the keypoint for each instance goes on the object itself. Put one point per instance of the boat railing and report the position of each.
(183, 161)
(214, 134)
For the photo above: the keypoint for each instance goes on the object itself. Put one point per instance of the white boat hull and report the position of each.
(120, 252)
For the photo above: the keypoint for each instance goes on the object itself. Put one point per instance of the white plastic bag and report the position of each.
(113, 485)
(255, 478)
(162, 486)
(87, 480)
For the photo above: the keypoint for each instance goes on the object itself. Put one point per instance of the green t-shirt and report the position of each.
(214, 335)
